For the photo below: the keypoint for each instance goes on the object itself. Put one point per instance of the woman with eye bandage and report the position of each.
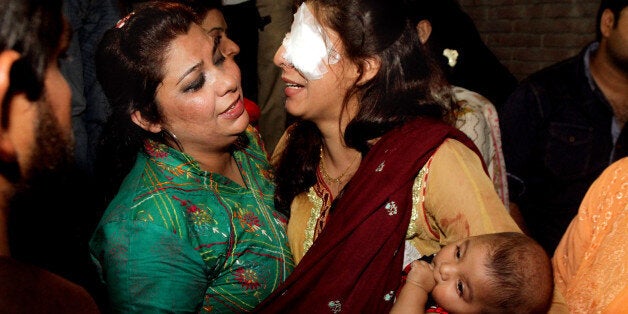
(373, 173)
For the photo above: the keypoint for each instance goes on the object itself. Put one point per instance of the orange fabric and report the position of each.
(590, 263)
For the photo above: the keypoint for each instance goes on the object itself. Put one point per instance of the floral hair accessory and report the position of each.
(123, 20)
(452, 56)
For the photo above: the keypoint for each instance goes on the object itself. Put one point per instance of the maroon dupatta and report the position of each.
(355, 264)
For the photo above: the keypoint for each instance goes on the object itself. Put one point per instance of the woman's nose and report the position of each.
(227, 81)
(229, 47)
(280, 61)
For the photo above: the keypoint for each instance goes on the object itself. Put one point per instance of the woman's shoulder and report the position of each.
(143, 196)
(458, 186)
(454, 161)
(148, 218)
(452, 150)
(281, 145)
(254, 137)
(252, 142)
(470, 98)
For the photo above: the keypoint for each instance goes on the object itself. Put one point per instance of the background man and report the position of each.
(35, 147)
(564, 125)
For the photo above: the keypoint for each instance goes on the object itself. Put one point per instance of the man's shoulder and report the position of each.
(559, 82)
(26, 288)
(561, 73)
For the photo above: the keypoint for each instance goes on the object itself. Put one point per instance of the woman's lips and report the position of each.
(235, 110)
(292, 87)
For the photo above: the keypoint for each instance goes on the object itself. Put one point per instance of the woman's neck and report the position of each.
(333, 129)
(221, 162)
(338, 162)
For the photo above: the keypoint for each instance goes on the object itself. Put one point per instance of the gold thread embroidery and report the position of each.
(417, 200)
(315, 212)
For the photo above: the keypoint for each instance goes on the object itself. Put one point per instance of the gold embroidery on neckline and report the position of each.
(315, 212)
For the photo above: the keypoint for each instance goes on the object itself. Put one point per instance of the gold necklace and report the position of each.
(326, 175)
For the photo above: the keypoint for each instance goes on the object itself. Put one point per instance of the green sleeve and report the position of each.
(148, 268)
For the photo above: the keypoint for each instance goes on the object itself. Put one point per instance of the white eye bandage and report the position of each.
(307, 47)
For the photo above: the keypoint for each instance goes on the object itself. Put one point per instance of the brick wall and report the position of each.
(529, 35)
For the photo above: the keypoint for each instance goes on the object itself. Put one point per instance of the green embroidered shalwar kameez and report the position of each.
(180, 239)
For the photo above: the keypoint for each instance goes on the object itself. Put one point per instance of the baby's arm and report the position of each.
(413, 295)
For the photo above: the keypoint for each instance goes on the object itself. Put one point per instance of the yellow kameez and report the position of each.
(452, 195)
(453, 198)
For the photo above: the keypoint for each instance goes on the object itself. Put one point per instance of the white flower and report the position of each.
(452, 56)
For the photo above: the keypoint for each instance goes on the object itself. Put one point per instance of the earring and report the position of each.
(173, 138)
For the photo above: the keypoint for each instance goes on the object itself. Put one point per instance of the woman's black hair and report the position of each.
(201, 7)
(452, 28)
(408, 85)
(129, 66)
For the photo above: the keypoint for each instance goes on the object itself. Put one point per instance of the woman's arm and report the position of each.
(461, 198)
(461, 201)
(148, 268)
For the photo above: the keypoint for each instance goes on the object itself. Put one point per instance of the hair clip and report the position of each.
(452, 56)
(123, 20)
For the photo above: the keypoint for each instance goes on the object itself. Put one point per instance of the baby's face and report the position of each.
(461, 276)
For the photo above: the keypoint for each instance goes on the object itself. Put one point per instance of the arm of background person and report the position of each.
(515, 213)
(479, 121)
(590, 260)
(519, 119)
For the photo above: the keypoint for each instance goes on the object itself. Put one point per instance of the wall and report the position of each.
(529, 35)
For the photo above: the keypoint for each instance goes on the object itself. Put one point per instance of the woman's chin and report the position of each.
(241, 123)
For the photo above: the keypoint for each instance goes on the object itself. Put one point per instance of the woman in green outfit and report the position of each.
(191, 224)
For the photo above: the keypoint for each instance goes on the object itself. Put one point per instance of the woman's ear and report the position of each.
(424, 28)
(137, 118)
(7, 147)
(370, 69)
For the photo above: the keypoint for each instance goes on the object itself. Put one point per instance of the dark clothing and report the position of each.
(28, 289)
(476, 67)
(89, 20)
(243, 20)
(557, 139)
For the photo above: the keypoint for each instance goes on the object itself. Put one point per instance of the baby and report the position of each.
(501, 272)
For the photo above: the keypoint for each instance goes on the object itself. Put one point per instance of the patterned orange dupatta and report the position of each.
(591, 261)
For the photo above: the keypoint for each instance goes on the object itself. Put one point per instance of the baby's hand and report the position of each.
(422, 275)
